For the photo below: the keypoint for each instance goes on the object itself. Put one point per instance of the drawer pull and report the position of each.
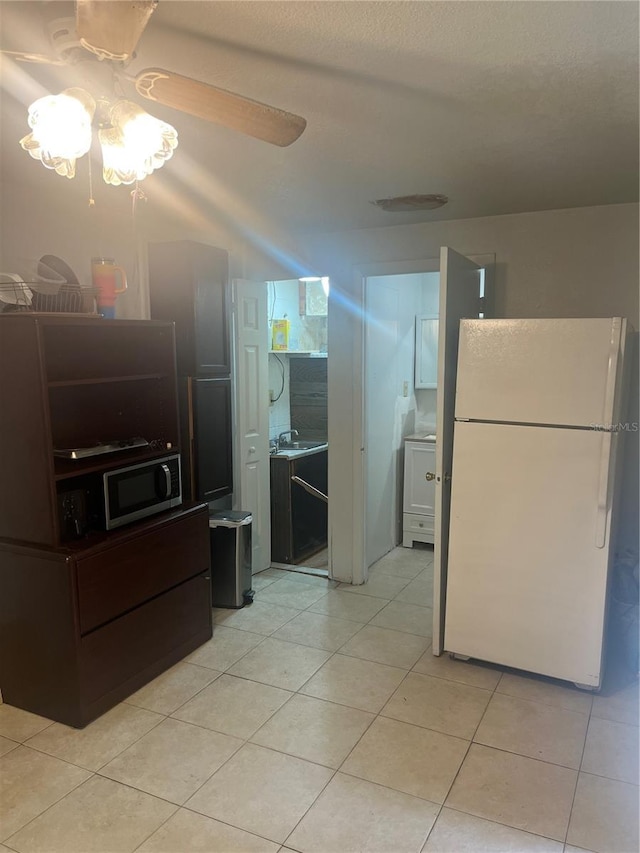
(429, 476)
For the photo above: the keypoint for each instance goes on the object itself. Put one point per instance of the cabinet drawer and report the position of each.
(115, 653)
(120, 578)
(418, 523)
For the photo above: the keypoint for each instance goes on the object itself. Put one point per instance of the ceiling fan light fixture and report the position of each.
(61, 129)
(135, 144)
(410, 203)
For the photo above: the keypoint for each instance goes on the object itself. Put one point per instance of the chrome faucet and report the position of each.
(282, 436)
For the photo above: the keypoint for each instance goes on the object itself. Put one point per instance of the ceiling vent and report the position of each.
(410, 203)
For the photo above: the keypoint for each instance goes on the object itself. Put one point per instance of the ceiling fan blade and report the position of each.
(32, 57)
(217, 105)
(112, 28)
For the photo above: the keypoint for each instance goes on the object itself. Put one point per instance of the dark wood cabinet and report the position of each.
(188, 285)
(82, 627)
(211, 399)
(73, 382)
(205, 418)
(298, 519)
(87, 617)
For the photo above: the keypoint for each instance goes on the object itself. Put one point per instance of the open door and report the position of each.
(251, 340)
(459, 298)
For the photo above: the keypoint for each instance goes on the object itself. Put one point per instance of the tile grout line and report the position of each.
(507, 826)
(338, 769)
(575, 787)
(113, 757)
(464, 758)
(51, 805)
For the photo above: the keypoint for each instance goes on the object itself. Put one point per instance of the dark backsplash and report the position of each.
(308, 396)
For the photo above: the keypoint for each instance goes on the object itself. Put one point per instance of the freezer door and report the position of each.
(527, 579)
(539, 371)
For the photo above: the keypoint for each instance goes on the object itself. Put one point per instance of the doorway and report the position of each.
(394, 407)
(298, 424)
(464, 291)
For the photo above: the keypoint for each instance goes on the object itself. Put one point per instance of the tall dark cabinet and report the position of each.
(189, 285)
(88, 616)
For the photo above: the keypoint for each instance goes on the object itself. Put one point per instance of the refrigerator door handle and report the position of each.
(612, 370)
(603, 490)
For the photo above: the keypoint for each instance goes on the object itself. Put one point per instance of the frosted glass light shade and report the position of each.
(61, 129)
(135, 145)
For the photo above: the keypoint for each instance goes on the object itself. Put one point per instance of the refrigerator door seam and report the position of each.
(527, 424)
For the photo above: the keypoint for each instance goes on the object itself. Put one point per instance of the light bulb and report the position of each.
(135, 145)
(61, 129)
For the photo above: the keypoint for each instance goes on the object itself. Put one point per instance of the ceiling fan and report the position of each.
(108, 31)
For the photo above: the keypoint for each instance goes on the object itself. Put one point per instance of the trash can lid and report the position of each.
(230, 518)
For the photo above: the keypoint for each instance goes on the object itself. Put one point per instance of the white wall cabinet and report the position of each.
(426, 368)
(418, 508)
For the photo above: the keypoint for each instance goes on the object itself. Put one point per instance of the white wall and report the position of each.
(280, 410)
(306, 333)
(60, 222)
(581, 262)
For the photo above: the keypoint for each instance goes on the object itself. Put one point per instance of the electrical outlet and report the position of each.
(405, 389)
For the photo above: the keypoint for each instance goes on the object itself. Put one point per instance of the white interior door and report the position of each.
(381, 345)
(251, 338)
(459, 298)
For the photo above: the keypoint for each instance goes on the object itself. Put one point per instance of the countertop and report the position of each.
(285, 453)
(421, 436)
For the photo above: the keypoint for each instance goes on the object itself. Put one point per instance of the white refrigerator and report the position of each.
(537, 427)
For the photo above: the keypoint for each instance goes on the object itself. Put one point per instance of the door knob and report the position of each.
(252, 450)
(430, 476)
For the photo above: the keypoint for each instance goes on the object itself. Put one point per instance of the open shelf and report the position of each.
(66, 469)
(73, 382)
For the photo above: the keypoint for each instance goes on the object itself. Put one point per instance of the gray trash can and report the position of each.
(230, 539)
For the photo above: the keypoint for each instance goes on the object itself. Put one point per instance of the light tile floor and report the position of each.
(317, 720)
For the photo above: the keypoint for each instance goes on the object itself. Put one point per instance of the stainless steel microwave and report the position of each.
(141, 490)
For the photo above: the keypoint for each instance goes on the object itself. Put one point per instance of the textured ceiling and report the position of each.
(502, 106)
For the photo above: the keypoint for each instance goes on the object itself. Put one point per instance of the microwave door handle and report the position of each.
(167, 480)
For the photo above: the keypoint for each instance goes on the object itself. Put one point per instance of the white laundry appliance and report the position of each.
(538, 423)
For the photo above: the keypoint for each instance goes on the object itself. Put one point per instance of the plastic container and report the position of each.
(280, 335)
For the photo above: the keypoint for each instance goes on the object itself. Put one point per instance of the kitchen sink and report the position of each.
(301, 445)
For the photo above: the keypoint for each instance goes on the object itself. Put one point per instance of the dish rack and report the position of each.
(16, 295)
